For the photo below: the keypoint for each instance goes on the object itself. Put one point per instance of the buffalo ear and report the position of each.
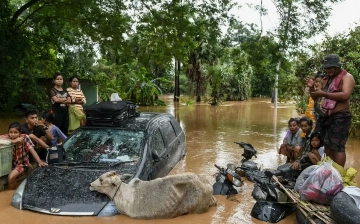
(125, 176)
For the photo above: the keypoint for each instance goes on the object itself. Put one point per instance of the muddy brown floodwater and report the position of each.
(210, 134)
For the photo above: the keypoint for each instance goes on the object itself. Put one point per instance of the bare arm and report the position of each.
(56, 99)
(348, 84)
(16, 140)
(66, 100)
(37, 158)
(309, 82)
(48, 134)
(39, 141)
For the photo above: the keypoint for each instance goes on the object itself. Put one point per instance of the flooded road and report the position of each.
(210, 134)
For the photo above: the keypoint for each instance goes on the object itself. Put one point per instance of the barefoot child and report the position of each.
(22, 147)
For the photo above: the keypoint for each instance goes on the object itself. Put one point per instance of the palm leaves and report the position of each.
(142, 88)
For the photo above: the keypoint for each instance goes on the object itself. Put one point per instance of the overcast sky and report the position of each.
(343, 17)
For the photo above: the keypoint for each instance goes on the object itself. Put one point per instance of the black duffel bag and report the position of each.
(110, 113)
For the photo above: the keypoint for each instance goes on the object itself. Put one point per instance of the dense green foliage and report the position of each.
(131, 47)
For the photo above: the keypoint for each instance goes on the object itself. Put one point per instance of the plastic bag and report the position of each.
(322, 185)
(115, 97)
(303, 176)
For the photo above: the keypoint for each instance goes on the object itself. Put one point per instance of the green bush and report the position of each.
(301, 104)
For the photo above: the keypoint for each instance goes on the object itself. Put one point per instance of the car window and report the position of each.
(176, 126)
(157, 143)
(168, 132)
(105, 145)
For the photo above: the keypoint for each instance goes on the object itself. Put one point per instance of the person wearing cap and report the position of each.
(334, 124)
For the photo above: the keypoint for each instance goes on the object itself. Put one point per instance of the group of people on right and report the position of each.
(331, 93)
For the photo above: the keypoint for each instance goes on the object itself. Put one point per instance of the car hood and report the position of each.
(64, 190)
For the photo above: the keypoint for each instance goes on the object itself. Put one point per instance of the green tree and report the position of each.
(300, 20)
(39, 36)
(229, 78)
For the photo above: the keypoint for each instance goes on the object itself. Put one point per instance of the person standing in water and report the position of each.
(334, 127)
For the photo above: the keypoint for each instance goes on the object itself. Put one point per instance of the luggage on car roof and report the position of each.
(110, 113)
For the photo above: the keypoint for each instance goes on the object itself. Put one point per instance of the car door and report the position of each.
(158, 154)
(172, 155)
(180, 137)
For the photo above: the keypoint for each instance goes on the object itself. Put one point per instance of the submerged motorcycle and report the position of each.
(226, 181)
(229, 178)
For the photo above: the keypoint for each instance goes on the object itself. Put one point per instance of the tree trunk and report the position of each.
(198, 97)
(157, 82)
(276, 83)
(177, 81)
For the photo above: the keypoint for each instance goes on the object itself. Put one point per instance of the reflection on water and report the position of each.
(210, 133)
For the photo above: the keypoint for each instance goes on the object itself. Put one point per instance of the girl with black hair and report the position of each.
(76, 93)
(60, 98)
(59, 136)
(22, 146)
(316, 143)
(76, 111)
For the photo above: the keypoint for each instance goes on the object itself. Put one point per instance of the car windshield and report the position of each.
(104, 145)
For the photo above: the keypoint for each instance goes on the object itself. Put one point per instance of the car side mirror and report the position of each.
(155, 157)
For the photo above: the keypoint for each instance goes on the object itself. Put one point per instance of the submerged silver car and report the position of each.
(147, 146)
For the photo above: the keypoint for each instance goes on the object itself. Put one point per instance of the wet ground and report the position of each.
(211, 133)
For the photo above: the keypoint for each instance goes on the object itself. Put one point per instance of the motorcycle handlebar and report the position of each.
(219, 168)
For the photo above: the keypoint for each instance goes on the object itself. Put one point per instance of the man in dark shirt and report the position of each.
(37, 131)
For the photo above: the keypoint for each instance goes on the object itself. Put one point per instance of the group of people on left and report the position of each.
(302, 145)
(37, 136)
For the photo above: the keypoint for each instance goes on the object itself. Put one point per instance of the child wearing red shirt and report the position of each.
(22, 147)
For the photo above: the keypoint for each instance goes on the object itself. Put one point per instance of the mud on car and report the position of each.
(147, 146)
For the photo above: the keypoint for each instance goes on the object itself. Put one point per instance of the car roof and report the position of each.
(140, 122)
